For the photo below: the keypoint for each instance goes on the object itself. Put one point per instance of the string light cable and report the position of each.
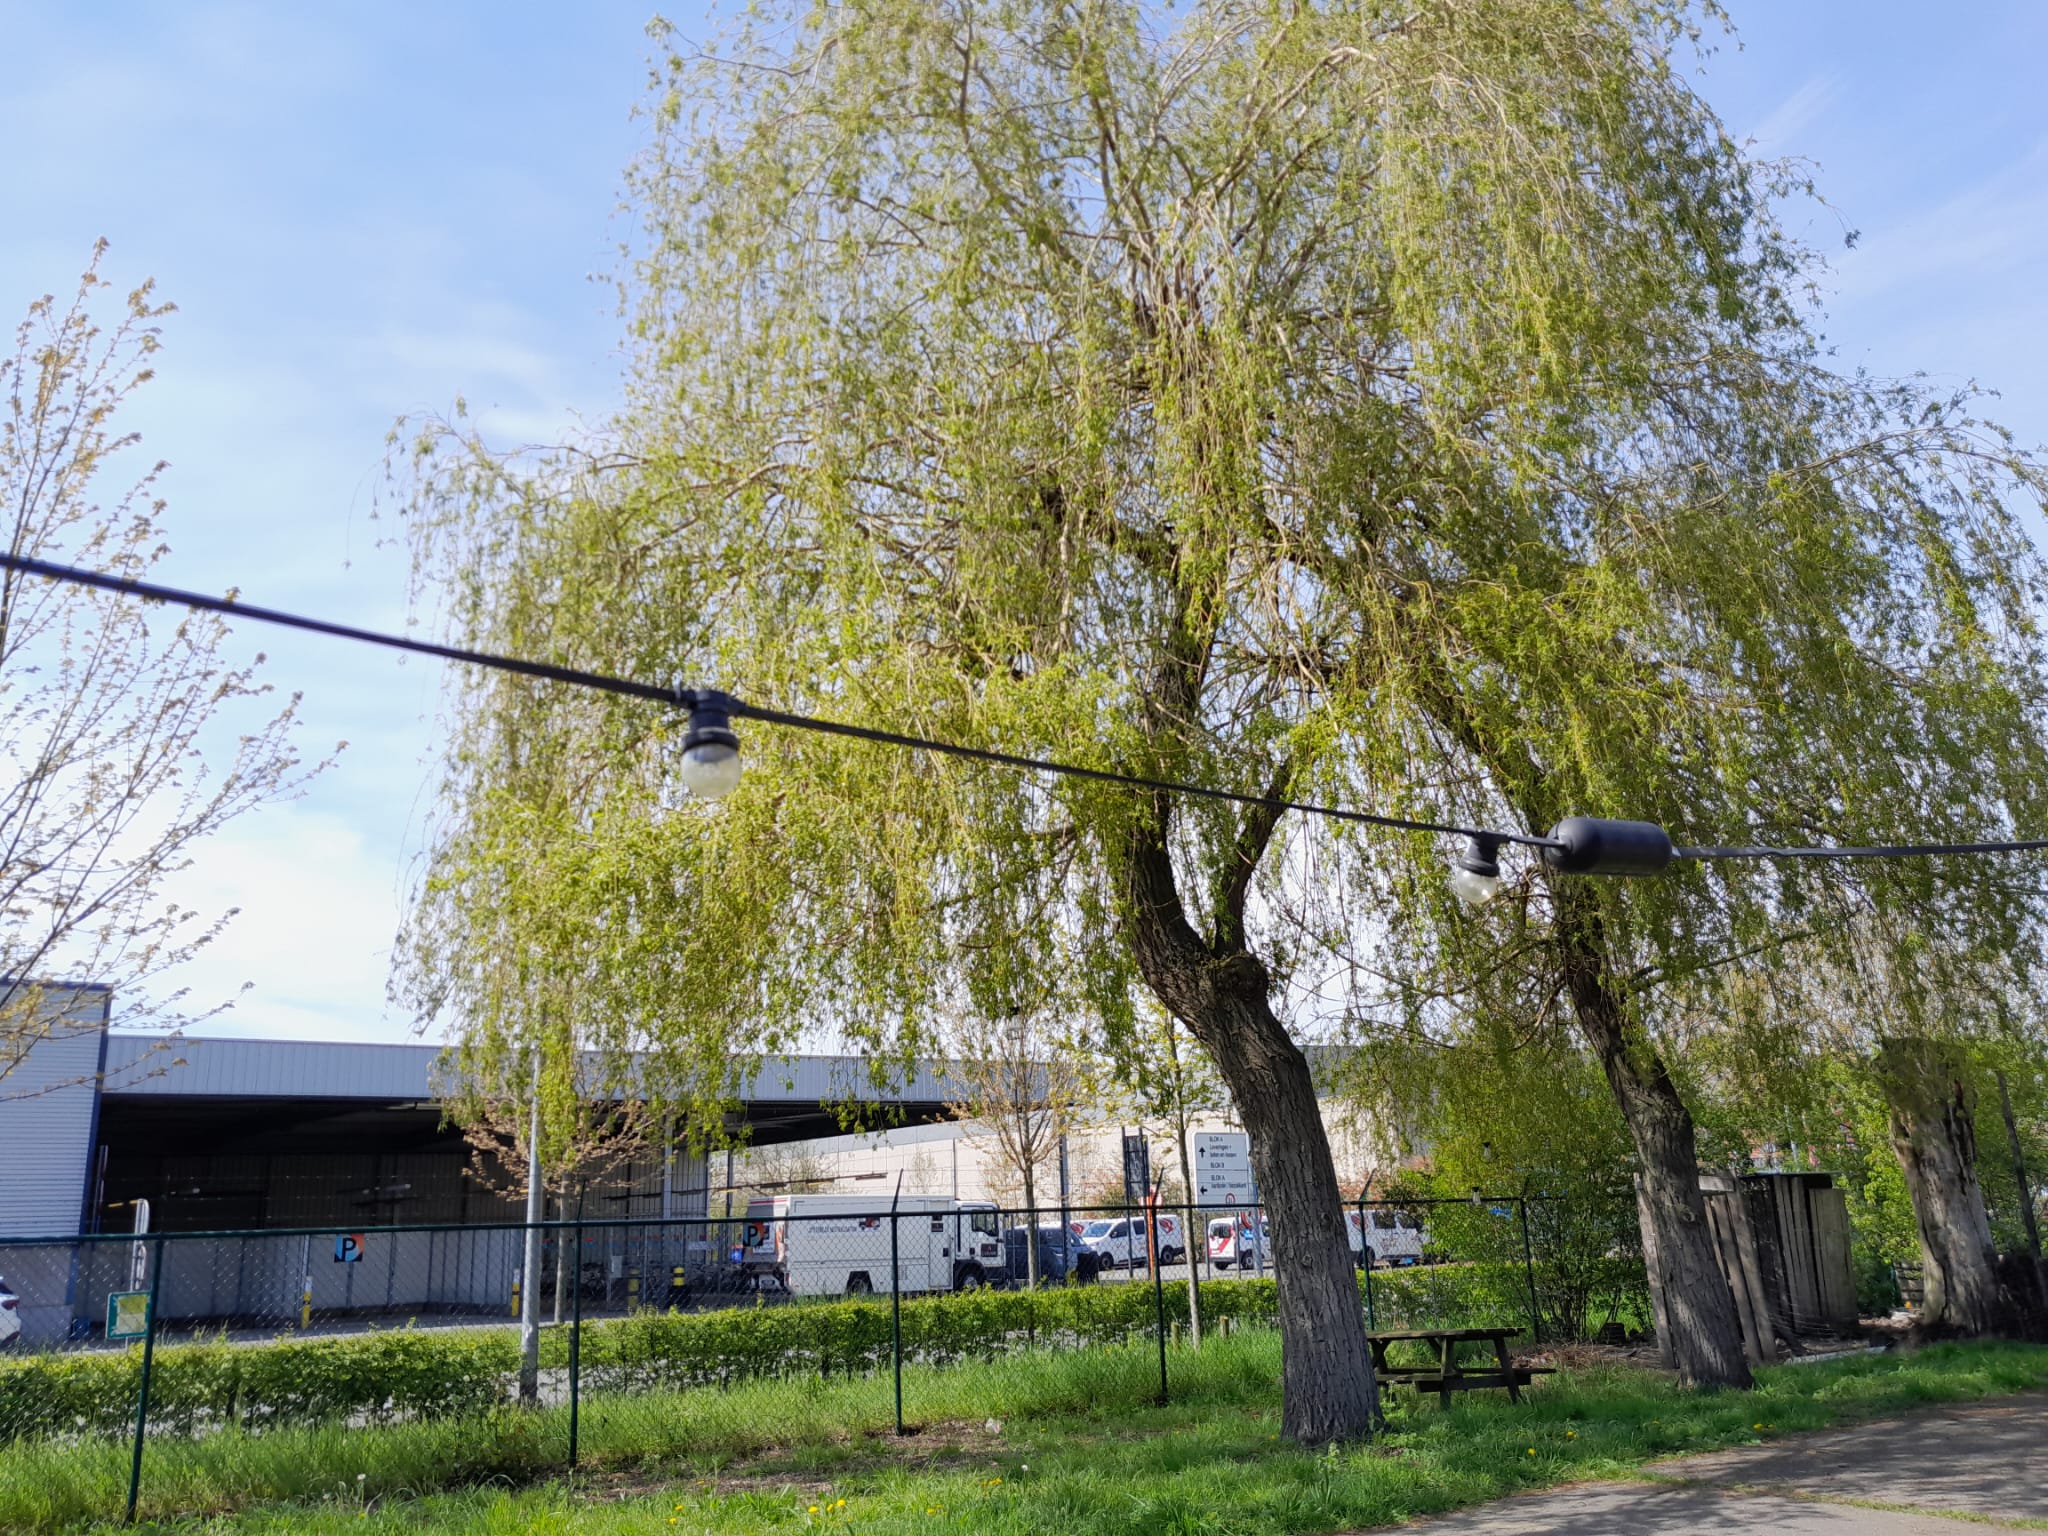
(711, 760)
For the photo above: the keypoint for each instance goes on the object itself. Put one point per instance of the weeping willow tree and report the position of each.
(1406, 406)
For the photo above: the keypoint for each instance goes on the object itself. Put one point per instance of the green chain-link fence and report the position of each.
(122, 1349)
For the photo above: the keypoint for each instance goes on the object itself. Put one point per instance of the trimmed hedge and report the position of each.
(421, 1374)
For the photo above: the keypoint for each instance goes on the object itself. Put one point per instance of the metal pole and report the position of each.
(1065, 1215)
(1365, 1252)
(1158, 1284)
(529, 1274)
(156, 1281)
(1123, 1142)
(896, 1299)
(2019, 1169)
(576, 1335)
(1529, 1269)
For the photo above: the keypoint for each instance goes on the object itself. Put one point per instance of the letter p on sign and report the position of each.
(348, 1248)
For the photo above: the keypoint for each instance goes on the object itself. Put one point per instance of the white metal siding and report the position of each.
(46, 1118)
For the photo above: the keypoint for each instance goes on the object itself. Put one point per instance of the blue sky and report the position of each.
(364, 210)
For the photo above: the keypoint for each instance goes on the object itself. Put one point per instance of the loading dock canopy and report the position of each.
(222, 1134)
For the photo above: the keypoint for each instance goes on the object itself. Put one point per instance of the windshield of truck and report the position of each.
(983, 1221)
(1096, 1229)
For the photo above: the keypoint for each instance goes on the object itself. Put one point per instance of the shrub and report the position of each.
(412, 1374)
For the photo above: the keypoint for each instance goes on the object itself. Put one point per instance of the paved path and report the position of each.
(1982, 1462)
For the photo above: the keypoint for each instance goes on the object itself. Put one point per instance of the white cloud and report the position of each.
(319, 910)
(1989, 230)
(1780, 130)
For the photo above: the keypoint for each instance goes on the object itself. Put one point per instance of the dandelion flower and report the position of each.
(1532, 1450)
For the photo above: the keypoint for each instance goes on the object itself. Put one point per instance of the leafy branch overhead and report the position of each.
(1407, 407)
(106, 705)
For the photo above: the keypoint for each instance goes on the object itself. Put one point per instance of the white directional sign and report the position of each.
(1223, 1169)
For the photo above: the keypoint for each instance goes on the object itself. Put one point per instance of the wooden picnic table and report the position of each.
(1446, 1376)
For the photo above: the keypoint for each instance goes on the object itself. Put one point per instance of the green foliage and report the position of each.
(414, 1374)
(1426, 394)
(1082, 1449)
(401, 1374)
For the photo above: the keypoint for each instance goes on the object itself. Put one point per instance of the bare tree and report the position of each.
(104, 701)
(1024, 1086)
(1171, 1079)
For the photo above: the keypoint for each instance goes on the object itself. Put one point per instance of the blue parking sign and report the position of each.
(348, 1247)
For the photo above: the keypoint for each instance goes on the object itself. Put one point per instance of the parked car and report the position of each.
(1120, 1242)
(1059, 1252)
(10, 1314)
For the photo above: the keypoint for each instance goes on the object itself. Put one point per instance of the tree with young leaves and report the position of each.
(1021, 1086)
(1170, 1081)
(1403, 406)
(106, 702)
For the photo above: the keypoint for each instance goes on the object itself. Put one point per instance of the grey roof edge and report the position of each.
(226, 1066)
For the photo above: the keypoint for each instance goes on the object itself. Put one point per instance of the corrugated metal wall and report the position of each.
(47, 1106)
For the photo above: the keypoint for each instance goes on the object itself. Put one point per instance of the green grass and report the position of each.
(1079, 1451)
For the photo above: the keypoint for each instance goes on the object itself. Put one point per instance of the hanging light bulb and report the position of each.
(1475, 873)
(711, 751)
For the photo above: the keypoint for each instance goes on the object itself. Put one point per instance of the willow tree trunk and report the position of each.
(1933, 1122)
(1700, 1331)
(1220, 991)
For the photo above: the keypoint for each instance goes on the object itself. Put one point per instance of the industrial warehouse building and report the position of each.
(324, 1141)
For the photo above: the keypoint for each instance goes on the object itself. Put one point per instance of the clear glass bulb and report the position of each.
(711, 770)
(1473, 889)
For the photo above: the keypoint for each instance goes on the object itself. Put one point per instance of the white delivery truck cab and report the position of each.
(838, 1245)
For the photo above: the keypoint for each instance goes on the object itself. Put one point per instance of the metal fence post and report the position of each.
(896, 1298)
(575, 1257)
(1158, 1283)
(156, 1281)
(1529, 1269)
(1365, 1254)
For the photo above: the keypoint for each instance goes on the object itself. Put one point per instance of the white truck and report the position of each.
(838, 1245)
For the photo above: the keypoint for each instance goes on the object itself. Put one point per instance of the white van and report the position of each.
(1396, 1237)
(1233, 1243)
(1383, 1238)
(1119, 1242)
(838, 1245)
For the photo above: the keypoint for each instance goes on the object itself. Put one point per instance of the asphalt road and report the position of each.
(1946, 1472)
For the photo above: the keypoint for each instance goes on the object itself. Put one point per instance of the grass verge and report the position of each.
(1026, 1445)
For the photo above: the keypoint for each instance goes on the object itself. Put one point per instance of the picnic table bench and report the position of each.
(1445, 1376)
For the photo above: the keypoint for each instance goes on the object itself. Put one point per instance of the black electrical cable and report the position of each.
(684, 698)
(1893, 851)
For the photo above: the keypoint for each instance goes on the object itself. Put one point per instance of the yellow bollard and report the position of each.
(306, 1304)
(515, 1295)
